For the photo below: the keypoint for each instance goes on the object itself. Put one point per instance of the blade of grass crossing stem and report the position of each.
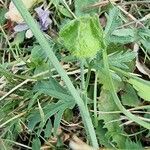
(45, 45)
(115, 97)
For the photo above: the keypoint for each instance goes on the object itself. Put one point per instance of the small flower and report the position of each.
(21, 27)
(44, 19)
(44, 22)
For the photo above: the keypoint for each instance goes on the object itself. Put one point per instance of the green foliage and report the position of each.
(2, 15)
(144, 34)
(101, 131)
(114, 35)
(53, 89)
(12, 130)
(36, 144)
(5, 72)
(55, 2)
(47, 95)
(86, 36)
(142, 87)
(49, 110)
(113, 21)
(123, 36)
(48, 129)
(114, 132)
(39, 61)
(64, 11)
(81, 7)
(18, 39)
(123, 32)
(55, 62)
(37, 55)
(103, 79)
(132, 145)
(129, 96)
(57, 120)
(146, 44)
(119, 59)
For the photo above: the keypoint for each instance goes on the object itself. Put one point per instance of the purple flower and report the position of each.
(44, 19)
(44, 22)
(21, 27)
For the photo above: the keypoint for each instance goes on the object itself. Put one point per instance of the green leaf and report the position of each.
(48, 129)
(120, 59)
(33, 119)
(83, 36)
(142, 87)
(144, 33)
(114, 132)
(101, 131)
(57, 120)
(39, 60)
(33, 99)
(68, 115)
(53, 89)
(64, 11)
(55, 2)
(123, 32)
(103, 79)
(114, 35)
(132, 145)
(123, 36)
(37, 55)
(49, 110)
(121, 40)
(18, 39)
(129, 96)
(113, 21)
(41, 67)
(5, 72)
(2, 15)
(81, 7)
(36, 144)
(146, 44)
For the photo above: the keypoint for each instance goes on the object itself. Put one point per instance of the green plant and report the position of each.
(45, 46)
(86, 63)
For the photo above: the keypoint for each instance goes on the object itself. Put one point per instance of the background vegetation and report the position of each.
(76, 68)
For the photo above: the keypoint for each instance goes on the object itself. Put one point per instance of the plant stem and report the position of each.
(115, 97)
(82, 75)
(47, 49)
(67, 7)
(127, 74)
(9, 44)
(84, 92)
(88, 78)
(95, 100)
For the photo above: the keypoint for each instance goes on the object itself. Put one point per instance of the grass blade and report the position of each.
(45, 46)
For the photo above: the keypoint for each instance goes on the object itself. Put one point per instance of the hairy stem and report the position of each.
(95, 100)
(88, 78)
(115, 96)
